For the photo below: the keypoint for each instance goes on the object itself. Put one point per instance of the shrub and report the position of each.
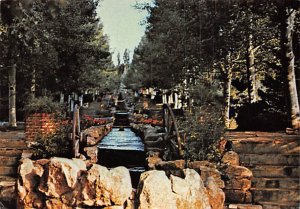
(43, 105)
(55, 144)
(203, 124)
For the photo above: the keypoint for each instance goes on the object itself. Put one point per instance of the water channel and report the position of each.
(122, 147)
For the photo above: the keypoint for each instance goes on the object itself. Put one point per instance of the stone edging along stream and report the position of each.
(68, 183)
(71, 183)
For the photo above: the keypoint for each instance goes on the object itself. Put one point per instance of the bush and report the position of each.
(43, 105)
(56, 144)
(204, 124)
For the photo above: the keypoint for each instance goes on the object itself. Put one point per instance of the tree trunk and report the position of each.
(228, 102)
(61, 98)
(251, 72)
(227, 93)
(33, 83)
(288, 63)
(12, 96)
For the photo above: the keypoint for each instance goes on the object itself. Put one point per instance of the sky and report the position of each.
(121, 22)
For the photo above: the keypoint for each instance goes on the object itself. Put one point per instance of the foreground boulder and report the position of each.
(60, 177)
(67, 183)
(156, 191)
(216, 195)
(105, 187)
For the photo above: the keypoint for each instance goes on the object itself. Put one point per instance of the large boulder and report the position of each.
(67, 183)
(215, 194)
(30, 173)
(154, 191)
(198, 194)
(105, 188)
(119, 185)
(61, 177)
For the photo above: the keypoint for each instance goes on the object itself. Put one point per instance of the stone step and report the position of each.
(11, 152)
(281, 205)
(9, 161)
(7, 181)
(285, 183)
(274, 195)
(8, 192)
(270, 171)
(267, 147)
(14, 144)
(253, 135)
(8, 170)
(243, 206)
(269, 159)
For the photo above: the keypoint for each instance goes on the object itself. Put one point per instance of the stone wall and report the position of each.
(69, 183)
(234, 179)
(39, 124)
(156, 190)
(237, 179)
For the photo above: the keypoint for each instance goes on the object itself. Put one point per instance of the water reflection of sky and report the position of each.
(122, 140)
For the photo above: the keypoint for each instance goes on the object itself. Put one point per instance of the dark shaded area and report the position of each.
(257, 117)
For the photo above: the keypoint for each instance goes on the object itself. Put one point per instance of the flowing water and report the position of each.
(122, 140)
(122, 147)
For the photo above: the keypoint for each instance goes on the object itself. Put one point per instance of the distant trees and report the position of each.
(54, 48)
(245, 47)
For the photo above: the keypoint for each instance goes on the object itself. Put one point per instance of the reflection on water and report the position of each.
(122, 140)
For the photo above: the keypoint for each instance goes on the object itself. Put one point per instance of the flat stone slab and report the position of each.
(12, 144)
(270, 159)
(286, 183)
(272, 171)
(244, 206)
(275, 195)
(12, 135)
(8, 170)
(9, 161)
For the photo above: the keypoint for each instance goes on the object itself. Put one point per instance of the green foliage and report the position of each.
(187, 40)
(203, 124)
(53, 145)
(60, 48)
(43, 105)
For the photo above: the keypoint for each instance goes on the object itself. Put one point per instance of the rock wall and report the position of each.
(68, 183)
(235, 179)
(157, 191)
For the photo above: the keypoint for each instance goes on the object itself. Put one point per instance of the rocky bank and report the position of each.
(68, 183)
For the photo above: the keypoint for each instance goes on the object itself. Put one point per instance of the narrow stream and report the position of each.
(122, 147)
(122, 140)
